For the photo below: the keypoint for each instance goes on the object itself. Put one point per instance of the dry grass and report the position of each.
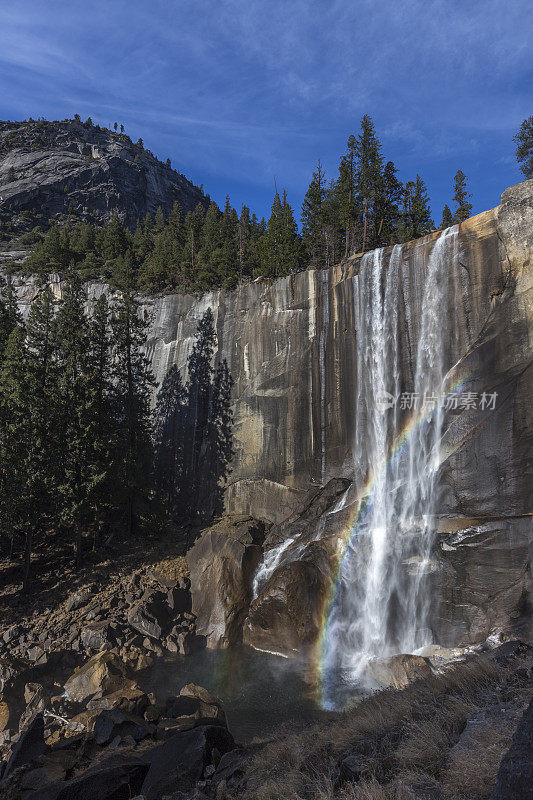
(410, 744)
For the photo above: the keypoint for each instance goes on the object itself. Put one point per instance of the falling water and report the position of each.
(381, 604)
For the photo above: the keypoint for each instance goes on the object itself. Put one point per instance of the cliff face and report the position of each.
(51, 170)
(291, 347)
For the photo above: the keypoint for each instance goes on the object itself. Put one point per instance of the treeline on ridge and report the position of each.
(364, 207)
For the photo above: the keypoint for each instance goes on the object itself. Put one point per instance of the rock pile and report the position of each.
(103, 737)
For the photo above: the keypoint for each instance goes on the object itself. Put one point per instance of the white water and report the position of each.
(383, 603)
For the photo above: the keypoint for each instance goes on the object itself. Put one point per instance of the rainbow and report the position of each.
(347, 539)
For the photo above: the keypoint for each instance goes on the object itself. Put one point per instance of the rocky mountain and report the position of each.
(69, 169)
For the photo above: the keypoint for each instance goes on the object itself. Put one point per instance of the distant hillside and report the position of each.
(54, 171)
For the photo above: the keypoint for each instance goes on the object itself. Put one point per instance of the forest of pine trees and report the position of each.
(82, 455)
(363, 207)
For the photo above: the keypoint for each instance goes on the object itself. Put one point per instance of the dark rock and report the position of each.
(78, 599)
(8, 670)
(37, 698)
(222, 564)
(351, 767)
(230, 767)
(115, 722)
(11, 633)
(509, 650)
(116, 778)
(179, 600)
(151, 615)
(29, 747)
(180, 761)
(287, 614)
(515, 775)
(97, 636)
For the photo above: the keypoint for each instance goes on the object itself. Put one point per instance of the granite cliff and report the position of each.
(53, 171)
(291, 346)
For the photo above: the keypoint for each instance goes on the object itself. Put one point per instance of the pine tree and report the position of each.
(132, 380)
(524, 147)
(198, 404)
(9, 313)
(282, 250)
(99, 371)
(416, 216)
(312, 218)
(169, 437)
(271, 250)
(369, 185)
(43, 459)
(292, 252)
(461, 197)
(388, 207)
(76, 415)
(115, 239)
(15, 440)
(220, 442)
(447, 218)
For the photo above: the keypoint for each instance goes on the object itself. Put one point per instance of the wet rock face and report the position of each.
(222, 564)
(286, 616)
(49, 170)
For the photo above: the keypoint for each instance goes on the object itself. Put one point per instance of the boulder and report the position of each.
(515, 775)
(151, 615)
(37, 698)
(180, 761)
(29, 747)
(222, 564)
(398, 671)
(120, 776)
(97, 635)
(78, 599)
(128, 698)
(8, 670)
(4, 715)
(287, 614)
(116, 723)
(102, 674)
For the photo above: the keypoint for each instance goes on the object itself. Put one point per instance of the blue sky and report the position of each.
(239, 92)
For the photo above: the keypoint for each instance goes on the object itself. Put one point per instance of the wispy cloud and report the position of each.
(235, 90)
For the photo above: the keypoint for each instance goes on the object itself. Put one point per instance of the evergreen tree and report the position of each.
(115, 239)
(15, 440)
(132, 380)
(220, 442)
(313, 233)
(447, 218)
(76, 415)
(99, 372)
(416, 217)
(169, 437)
(43, 461)
(461, 197)
(9, 314)
(281, 246)
(524, 147)
(388, 207)
(369, 186)
(198, 405)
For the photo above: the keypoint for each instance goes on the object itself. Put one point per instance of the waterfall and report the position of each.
(381, 604)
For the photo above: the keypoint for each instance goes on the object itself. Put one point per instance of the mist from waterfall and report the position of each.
(382, 600)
